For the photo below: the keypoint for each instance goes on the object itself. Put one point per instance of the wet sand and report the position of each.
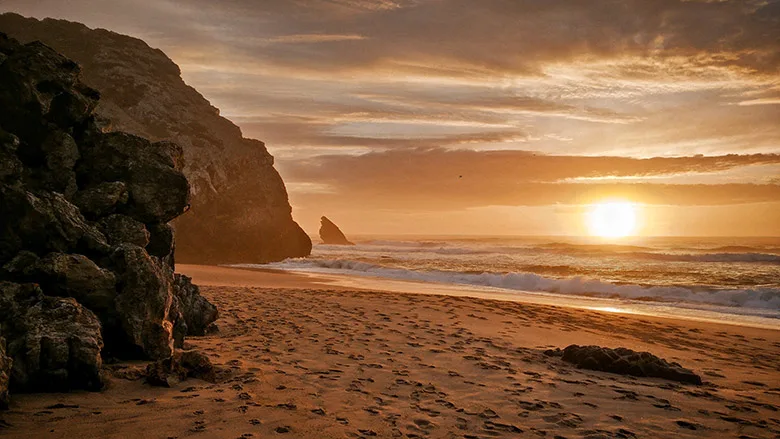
(307, 359)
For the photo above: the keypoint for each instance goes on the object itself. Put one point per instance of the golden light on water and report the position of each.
(612, 219)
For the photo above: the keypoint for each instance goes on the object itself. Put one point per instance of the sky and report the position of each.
(493, 117)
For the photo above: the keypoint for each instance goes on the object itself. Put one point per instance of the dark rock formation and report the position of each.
(67, 275)
(143, 303)
(179, 367)
(68, 282)
(54, 343)
(240, 211)
(331, 234)
(198, 312)
(158, 191)
(119, 229)
(624, 361)
(162, 242)
(44, 222)
(101, 199)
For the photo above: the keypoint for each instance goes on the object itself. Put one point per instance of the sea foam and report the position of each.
(758, 297)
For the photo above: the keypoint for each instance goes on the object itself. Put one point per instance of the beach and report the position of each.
(304, 357)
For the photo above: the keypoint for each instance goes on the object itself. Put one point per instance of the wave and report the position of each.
(404, 244)
(403, 247)
(708, 257)
(591, 248)
(621, 251)
(760, 297)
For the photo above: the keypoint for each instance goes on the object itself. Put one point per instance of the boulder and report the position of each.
(143, 305)
(60, 348)
(198, 313)
(68, 275)
(59, 154)
(5, 374)
(625, 361)
(42, 223)
(119, 229)
(331, 234)
(54, 343)
(180, 366)
(101, 199)
(40, 87)
(161, 242)
(158, 192)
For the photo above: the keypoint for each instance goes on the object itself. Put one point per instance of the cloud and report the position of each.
(314, 38)
(385, 104)
(430, 179)
(437, 165)
(426, 198)
(520, 36)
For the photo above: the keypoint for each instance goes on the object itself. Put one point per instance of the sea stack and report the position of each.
(331, 234)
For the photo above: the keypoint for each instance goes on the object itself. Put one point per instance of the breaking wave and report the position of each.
(622, 251)
(758, 297)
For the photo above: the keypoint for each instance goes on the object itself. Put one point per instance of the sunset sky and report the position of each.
(490, 116)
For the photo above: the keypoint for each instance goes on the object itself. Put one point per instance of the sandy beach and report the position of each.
(305, 359)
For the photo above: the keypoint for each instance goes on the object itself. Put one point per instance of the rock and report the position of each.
(40, 87)
(11, 167)
(180, 366)
(142, 93)
(44, 223)
(143, 305)
(5, 374)
(625, 361)
(179, 324)
(60, 154)
(101, 199)
(157, 191)
(198, 312)
(68, 275)
(89, 287)
(162, 243)
(331, 234)
(60, 349)
(54, 342)
(20, 266)
(119, 229)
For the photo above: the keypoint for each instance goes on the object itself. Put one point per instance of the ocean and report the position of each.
(722, 279)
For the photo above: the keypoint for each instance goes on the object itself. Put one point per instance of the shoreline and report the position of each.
(375, 283)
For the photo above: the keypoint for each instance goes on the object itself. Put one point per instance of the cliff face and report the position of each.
(240, 211)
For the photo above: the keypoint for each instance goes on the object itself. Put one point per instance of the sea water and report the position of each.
(728, 279)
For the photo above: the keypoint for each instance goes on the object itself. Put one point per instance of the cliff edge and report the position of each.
(239, 211)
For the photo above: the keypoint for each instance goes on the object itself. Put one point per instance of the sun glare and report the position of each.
(613, 219)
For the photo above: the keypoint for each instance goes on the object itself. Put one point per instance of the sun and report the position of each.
(612, 219)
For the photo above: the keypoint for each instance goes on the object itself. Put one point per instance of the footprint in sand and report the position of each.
(563, 419)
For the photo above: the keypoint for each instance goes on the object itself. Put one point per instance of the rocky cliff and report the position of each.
(86, 252)
(240, 211)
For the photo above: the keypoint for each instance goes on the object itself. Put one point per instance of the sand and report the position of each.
(305, 359)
